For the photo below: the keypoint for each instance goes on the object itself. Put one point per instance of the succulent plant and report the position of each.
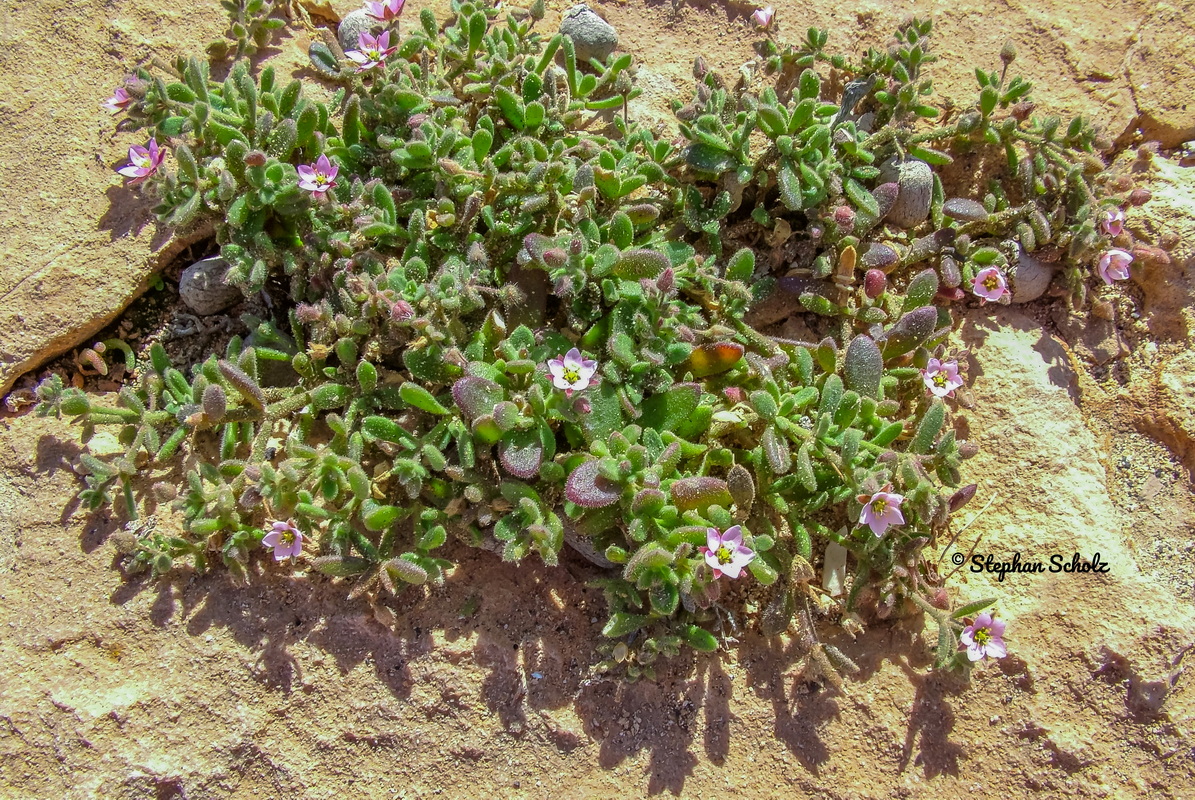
(505, 322)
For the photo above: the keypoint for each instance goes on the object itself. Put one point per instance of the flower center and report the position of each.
(982, 636)
(940, 379)
(725, 556)
(287, 538)
(878, 507)
(991, 283)
(572, 375)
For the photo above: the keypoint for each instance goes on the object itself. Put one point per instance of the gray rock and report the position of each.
(916, 181)
(356, 23)
(1031, 279)
(203, 289)
(592, 36)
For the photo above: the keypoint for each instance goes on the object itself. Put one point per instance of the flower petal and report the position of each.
(733, 536)
(713, 539)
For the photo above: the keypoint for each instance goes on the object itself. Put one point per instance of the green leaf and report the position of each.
(972, 608)
(929, 428)
(741, 266)
(921, 290)
(421, 398)
(669, 410)
(862, 198)
(340, 566)
(385, 429)
(642, 263)
(699, 493)
(698, 638)
(381, 517)
(707, 158)
(621, 624)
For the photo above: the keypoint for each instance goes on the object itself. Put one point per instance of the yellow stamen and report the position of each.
(725, 556)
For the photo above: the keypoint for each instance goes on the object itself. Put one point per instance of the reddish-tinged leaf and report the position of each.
(587, 488)
(710, 359)
(700, 492)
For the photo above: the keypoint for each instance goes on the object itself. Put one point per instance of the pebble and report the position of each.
(354, 24)
(592, 36)
(203, 289)
(916, 181)
(1031, 279)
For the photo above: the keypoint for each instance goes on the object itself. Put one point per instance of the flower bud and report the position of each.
(874, 283)
(1139, 197)
(844, 217)
(667, 281)
(255, 158)
(401, 311)
(962, 497)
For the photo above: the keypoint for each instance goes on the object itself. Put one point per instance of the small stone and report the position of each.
(356, 23)
(1031, 279)
(592, 36)
(916, 182)
(203, 289)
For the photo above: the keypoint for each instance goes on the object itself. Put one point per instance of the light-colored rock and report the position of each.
(1162, 74)
(1093, 339)
(76, 245)
(1031, 279)
(356, 23)
(592, 36)
(1173, 406)
(916, 181)
(1042, 465)
(1169, 289)
(203, 289)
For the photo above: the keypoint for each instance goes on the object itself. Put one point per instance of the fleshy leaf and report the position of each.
(699, 492)
(589, 489)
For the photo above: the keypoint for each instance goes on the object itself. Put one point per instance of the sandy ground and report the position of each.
(193, 688)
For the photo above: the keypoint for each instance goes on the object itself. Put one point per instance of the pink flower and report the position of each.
(285, 538)
(118, 102)
(881, 510)
(570, 372)
(941, 378)
(373, 52)
(989, 284)
(725, 553)
(319, 177)
(143, 162)
(1112, 222)
(385, 10)
(1114, 265)
(983, 638)
(763, 17)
